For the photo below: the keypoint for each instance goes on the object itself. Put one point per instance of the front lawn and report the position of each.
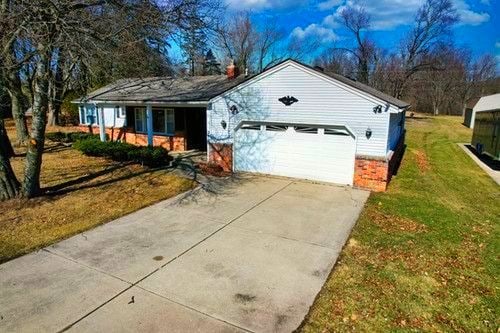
(83, 193)
(424, 255)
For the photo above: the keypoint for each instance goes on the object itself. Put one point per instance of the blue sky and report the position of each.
(479, 26)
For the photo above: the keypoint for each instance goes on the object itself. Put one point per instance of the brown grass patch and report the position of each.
(422, 161)
(82, 192)
(394, 223)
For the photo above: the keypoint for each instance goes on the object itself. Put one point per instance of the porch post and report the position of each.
(102, 128)
(149, 121)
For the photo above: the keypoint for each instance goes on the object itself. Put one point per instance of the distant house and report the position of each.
(291, 120)
(486, 124)
(469, 107)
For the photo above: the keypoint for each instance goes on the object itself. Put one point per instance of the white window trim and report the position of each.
(166, 111)
(95, 115)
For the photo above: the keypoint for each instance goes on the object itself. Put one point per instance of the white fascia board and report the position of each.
(142, 103)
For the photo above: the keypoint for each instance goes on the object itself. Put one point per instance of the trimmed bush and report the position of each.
(123, 152)
(69, 137)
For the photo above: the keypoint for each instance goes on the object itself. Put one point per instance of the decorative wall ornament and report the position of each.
(288, 100)
(377, 109)
(234, 110)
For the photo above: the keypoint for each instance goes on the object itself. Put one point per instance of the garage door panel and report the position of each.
(295, 154)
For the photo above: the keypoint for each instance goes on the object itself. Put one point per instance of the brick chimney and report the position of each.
(232, 71)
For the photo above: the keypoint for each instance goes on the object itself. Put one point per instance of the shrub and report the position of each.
(122, 152)
(69, 137)
(150, 156)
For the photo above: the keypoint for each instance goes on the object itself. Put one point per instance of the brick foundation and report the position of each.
(172, 143)
(221, 154)
(375, 174)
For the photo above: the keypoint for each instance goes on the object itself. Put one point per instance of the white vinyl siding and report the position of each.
(110, 115)
(319, 102)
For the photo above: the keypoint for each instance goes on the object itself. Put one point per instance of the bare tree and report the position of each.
(237, 38)
(268, 45)
(433, 23)
(85, 29)
(10, 63)
(357, 21)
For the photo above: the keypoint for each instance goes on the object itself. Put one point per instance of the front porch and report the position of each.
(173, 128)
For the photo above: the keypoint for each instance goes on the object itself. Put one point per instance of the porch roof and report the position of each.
(163, 89)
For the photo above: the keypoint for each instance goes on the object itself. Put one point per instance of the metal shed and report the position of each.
(487, 127)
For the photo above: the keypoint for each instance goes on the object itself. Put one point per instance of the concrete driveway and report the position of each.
(247, 255)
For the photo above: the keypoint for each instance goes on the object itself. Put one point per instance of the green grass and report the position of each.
(424, 255)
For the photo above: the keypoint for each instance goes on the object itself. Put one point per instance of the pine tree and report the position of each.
(211, 66)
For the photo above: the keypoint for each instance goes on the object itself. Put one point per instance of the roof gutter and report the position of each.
(139, 102)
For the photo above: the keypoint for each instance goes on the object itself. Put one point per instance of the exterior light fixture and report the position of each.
(377, 109)
(223, 124)
(368, 133)
(234, 110)
(288, 100)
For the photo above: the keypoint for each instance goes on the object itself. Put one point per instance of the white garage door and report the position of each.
(324, 153)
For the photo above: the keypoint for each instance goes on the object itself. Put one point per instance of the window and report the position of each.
(306, 129)
(163, 121)
(140, 120)
(250, 127)
(276, 128)
(88, 115)
(82, 115)
(120, 112)
(159, 123)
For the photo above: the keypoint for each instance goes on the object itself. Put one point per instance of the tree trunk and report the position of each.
(9, 185)
(17, 98)
(33, 164)
(14, 87)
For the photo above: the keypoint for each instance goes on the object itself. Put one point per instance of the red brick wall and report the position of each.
(222, 155)
(371, 174)
(172, 143)
(375, 174)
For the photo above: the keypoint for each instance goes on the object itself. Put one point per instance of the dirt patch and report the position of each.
(244, 298)
(212, 169)
(158, 258)
(422, 160)
(393, 223)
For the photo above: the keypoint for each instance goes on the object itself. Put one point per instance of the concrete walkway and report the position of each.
(492, 173)
(245, 255)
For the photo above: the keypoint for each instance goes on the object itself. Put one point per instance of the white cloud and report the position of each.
(389, 14)
(331, 21)
(486, 2)
(468, 16)
(258, 5)
(315, 31)
(329, 4)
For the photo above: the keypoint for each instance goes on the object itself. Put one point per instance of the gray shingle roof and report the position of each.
(164, 89)
(201, 88)
(372, 91)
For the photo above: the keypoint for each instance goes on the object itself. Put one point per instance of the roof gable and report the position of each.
(346, 83)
